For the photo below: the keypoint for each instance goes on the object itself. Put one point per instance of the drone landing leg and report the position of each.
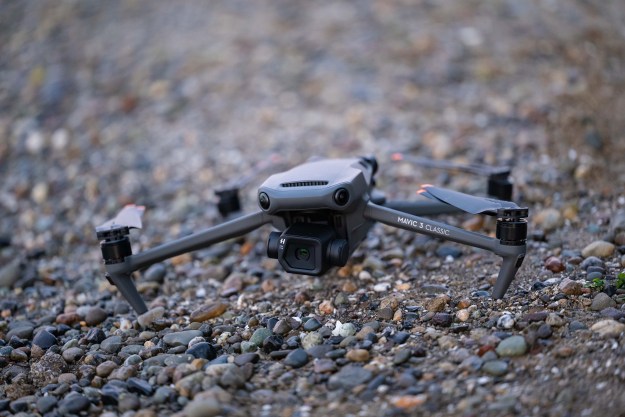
(127, 288)
(119, 267)
(512, 251)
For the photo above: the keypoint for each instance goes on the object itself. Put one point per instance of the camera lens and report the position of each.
(302, 254)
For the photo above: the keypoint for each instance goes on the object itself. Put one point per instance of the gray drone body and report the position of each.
(321, 211)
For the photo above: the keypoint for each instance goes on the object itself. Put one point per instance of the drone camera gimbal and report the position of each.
(322, 210)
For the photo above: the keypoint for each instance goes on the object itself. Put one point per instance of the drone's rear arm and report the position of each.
(511, 252)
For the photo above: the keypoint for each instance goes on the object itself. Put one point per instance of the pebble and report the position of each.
(311, 339)
(385, 313)
(344, 329)
(259, 336)
(495, 367)
(324, 366)
(349, 377)
(44, 339)
(95, 316)
(181, 338)
(437, 304)
(463, 315)
(442, 319)
(244, 358)
(10, 273)
(208, 311)
(155, 273)
(505, 322)
(602, 301)
(608, 328)
(576, 325)
(591, 261)
(46, 404)
(554, 320)
(548, 219)
(512, 346)
(312, 324)
(554, 264)
(73, 404)
(203, 407)
(357, 355)
(570, 287)
(111, 344)
(128, 402)
(296, 358)
(598, 248)
(47, 369)
(105, 368)
(202, 350)
(146, 319)
(544, 331)
(401, 356)
(139, 386)
(73, 354)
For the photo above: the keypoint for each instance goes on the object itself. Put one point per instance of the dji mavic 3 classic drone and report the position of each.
(322, 210)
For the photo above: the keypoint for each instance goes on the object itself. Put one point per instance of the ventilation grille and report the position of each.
(303, 184)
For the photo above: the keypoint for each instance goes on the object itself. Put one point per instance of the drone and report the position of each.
(322, 210)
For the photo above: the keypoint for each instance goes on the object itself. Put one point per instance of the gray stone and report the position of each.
(495, 367)
(10, 273)
(203, 407)
(73, 354)
(296, 359)
(260, 335)
(95, 316)
(311, 339)
(601, 301)
(181, 338)
(349, 376)
(73, 404)
(147, 318)
(512, 346)
(44, 339)
(111, 344)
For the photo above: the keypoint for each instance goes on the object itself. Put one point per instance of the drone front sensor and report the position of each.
(322, 210)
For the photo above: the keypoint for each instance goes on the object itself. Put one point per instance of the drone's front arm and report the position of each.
(119, 270)
(512, 254)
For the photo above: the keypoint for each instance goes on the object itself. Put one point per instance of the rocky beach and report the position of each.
(161, 104)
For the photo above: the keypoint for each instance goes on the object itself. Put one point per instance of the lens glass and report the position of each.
(302, 254)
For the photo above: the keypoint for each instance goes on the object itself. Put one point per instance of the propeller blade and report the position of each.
(477, 169)
(469, 203)
(129, 216)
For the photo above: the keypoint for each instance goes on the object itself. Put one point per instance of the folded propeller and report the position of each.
(469, 203)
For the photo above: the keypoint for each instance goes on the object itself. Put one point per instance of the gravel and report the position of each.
(161, 105)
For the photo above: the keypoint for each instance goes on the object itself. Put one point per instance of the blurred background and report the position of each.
(161, 103)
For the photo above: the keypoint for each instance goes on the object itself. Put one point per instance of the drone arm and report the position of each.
(422, 208)
(512, 254)
(118, 273)
(210, 236)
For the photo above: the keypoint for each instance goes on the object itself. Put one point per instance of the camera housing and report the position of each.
(308, 248)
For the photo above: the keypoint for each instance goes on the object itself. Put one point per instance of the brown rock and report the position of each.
(233, 284)
(208, 311)
(570, 287)
(554, 264)
(437, 304)
(358, 355)
(68, 318)
(326, 307)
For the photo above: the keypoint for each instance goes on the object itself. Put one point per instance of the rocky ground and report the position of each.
(162, 103)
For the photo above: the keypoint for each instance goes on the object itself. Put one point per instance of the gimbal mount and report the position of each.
(322, 210)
